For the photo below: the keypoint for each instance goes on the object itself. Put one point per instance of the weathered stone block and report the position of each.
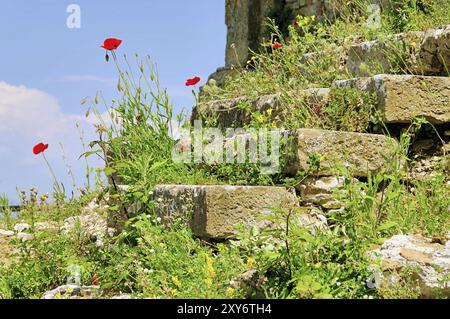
(361, 153)
(237, 112)
(434, 53)
(366, 57)
(421, 53)
(403, 97)
(320, 191)
(214, 211)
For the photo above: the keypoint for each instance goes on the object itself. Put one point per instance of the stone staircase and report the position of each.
(213, 212)
(400, 98)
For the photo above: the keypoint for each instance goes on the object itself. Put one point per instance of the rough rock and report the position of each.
(133, 208)
(432, 261)
(24, 236)
(21, 227)
(94, 207)
(434, 53)
(320, 191)
(424, 168)
(73, 292)
(92, 226)
(364, 58)
(313, 220)
(218, 78)
(214, 211)
(246, 22)
(361, 153)
(250, 283)
(7, 250)
(45, 226)
(6, 233)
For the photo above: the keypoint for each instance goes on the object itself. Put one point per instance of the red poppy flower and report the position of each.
(111, 44)
(95, 280)
(277, 45)
(193, 81)
(39, 148)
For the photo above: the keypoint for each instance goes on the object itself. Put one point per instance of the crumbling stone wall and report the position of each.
(246, 19)
(246, 22)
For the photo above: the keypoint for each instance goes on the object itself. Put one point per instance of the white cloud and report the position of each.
(30, 112)
(33, 115)
(29, 116)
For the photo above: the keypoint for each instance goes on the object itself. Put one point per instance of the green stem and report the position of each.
(50, 168)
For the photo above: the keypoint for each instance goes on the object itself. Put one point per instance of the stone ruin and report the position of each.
(214, 211)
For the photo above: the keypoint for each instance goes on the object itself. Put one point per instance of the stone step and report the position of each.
(424, 53)
(294, 151)
(237, 112)
(403, 97)
(416, 52)
(400, 98)
(214, 211)
(360, 153)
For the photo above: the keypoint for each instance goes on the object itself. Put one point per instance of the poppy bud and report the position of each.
(107, 57)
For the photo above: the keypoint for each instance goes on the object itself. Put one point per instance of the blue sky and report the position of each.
(46, 69)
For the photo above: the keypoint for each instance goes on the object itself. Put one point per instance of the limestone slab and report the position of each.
(214, 211)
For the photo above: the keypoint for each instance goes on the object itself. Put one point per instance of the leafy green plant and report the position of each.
(6, 216)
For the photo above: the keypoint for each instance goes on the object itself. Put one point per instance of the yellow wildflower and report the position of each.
(302, 21)
(250, 263)
(260, 118)
(176, 281)
(230, 292)
(269, 112)
(210, 266)
(210, 273)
